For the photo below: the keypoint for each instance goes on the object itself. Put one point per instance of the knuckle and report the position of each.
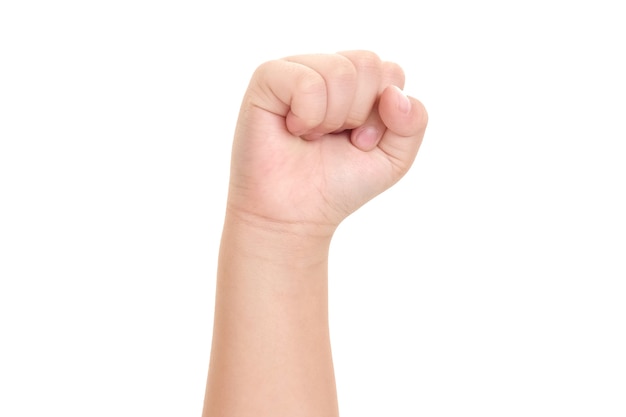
(268, 67)
(311, 83)
(367, 61)
(343, 70)
(394, 72)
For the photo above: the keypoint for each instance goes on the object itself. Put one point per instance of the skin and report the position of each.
(317, 137)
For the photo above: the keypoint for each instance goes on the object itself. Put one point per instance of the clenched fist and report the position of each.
(320, 135)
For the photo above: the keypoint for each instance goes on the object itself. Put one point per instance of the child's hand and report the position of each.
(320, 135)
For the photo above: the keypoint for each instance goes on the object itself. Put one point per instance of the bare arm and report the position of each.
(271, 349)
(318, 136)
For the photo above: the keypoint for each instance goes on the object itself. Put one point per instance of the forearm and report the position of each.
(318, 136)
(271, 351)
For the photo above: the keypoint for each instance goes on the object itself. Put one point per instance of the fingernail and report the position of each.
(404, 104)
(313, 136)
(366, 138)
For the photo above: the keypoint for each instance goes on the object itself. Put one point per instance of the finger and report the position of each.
(340, 77)
(406, 119)
(368, 133)
(290, 90)
(369, 72)
(392, 74)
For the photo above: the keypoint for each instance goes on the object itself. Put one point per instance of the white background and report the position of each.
(488, 282)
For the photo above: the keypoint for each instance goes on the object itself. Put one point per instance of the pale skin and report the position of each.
(317, 137)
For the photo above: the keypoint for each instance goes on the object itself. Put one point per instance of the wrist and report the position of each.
(283, 244)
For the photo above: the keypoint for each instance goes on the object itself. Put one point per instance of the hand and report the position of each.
(320, 135)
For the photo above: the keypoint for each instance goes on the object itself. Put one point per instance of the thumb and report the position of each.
(405, 119)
